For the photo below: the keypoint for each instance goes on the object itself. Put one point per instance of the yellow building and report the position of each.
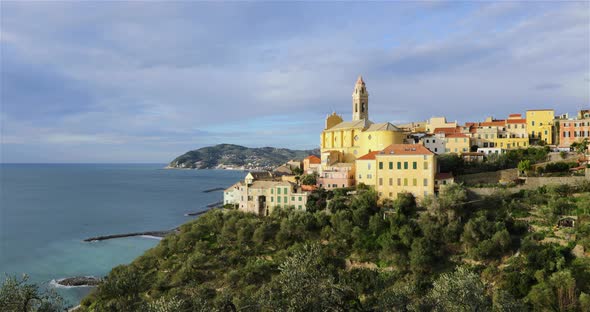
(457, 143)
(438, 123)
(540, 124)
(366, 169)
(345, 141)
(399, 168)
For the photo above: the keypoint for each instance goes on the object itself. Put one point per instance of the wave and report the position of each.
(151, 237)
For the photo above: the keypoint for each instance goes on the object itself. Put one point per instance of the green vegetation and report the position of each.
(22, 296)
(348, 252)
(237, 156)
(510, 159)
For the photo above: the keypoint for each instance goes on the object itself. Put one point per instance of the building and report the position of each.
(457, 143)
(441, 179)
(438, 123)
(263, 196)
(366, 169)
(399, 168)
(436, 143)
(574, 130)
(345, 141)
(311, 164)
(336, 176)
(231, 195)
(540, 125)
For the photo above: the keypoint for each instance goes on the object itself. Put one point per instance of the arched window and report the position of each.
(356, 107)
(363, 108)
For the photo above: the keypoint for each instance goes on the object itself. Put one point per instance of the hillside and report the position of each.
(236, 156)
(357, 255)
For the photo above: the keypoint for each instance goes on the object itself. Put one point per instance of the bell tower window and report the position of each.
(363, 107)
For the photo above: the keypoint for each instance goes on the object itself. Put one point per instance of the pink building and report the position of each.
(337, 176)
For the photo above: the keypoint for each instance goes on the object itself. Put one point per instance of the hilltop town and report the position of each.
(418, 157)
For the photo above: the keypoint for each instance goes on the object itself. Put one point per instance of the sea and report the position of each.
(47, 210)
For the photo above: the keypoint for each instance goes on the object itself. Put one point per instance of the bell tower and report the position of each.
(360, 101)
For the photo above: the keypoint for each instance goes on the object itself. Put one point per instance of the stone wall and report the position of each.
(531, 183)
(489, 177)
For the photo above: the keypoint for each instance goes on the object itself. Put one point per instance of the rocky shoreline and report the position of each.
(79, 281)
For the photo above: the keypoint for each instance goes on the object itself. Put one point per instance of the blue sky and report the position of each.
(147, 81)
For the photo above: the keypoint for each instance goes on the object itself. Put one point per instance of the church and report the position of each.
(345, 141)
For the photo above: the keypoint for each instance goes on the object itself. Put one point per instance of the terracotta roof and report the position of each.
(369, 156)
(515, 115)
(496, 123)
(456, 135)
(308, 187)
(516, 121)
(443, 176)
(313, 159)
(446, 130)
(406, 149)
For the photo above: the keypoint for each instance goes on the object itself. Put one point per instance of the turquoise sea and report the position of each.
(46, 210)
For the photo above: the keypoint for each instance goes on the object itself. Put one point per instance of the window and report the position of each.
(300, 198)
(285, 191)
(425, 182)
(425, 165)
(369, 166)
(380, 181)
(272, 191)
(399, 181)
(292, 198)
(380, 165)
(390, 194)
(390, 165)
(414, 182)
(360, 176)
(390, 181)
(278, 199)
(405, 181)
(272, 199)
(285, 198)
(278, 191)
(299, 206)
(533, 123)
(405, 165)
(399, 165)
(414, 165)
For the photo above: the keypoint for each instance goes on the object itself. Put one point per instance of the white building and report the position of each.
(231, 195)
(434, 142)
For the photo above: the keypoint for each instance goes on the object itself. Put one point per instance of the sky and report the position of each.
(97, 82)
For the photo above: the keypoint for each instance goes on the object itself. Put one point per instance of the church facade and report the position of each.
(345, 141)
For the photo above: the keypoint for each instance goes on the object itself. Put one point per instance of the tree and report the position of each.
(305, 284)
(524, 166)
(461, 290)
(309, 179)
(21, 296)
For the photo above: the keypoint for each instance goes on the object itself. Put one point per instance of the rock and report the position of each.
(79, 281)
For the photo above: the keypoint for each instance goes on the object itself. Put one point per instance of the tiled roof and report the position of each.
(446, 130)
(384, 126)
(406, 149)
(443, 176)
(313, 159)
(495, 123)
(456, 135)
(516, 121)
(369, 156)
(515, 115)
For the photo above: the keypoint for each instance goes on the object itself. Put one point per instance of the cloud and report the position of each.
(184, 75)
